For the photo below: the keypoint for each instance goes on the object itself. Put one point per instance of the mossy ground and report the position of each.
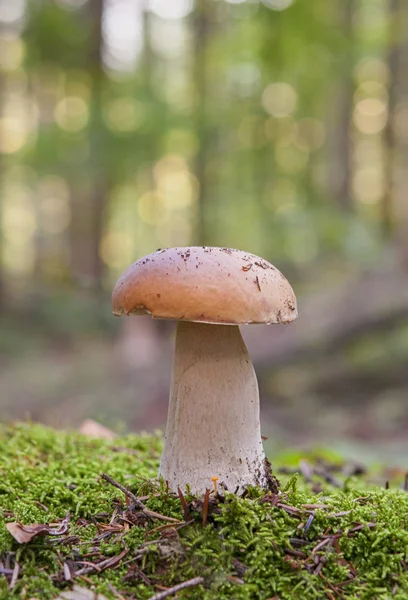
(354, 545)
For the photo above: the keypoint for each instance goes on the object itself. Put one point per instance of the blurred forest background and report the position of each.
(276, 126)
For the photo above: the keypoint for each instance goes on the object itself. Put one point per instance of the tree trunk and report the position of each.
(201, 26)
(401, 205)
(2, 278)
(341, 110)
(90, 199)
(388, 199)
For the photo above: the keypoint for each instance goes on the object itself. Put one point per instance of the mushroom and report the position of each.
(213, 426)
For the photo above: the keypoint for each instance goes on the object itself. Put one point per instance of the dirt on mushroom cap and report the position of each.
(205, 284)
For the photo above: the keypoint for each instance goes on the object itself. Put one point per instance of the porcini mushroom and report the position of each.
(213, 426)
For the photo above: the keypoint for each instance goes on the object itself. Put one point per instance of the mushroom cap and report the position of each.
(205, 285)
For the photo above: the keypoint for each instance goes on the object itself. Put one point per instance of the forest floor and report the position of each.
(85, 518)
(63, 384)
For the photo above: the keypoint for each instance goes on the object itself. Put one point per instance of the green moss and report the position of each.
(354, 545)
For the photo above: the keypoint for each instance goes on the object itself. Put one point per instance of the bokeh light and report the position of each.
(12, 11)
(152, 207)
(244, 79)
(372, 68)
(18, 122)
(124, 114)
(116, 249)
(176, 9)
(278, 4)
(12, 51)
(71, 114)
(122, 32)
(169, 39)
(368, 184)
(18, 218)
(370, 115)
(279, 99)
(176, 185)
(291, 159)
(72, 4)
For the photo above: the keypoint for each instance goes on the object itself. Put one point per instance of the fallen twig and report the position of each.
(137, 503)
(14, 577)
(155, 515)
(123, 489)
(178, 588)
(205, 506)
(104, 564)
(115, 592)
(187, 515)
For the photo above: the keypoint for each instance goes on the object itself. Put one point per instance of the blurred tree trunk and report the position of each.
(45, 102)
(201, 32)
(147, 55)
(401, 129)
(151, 146)
(91, 196)
(388, 199)
(341, 109)
(2, 278)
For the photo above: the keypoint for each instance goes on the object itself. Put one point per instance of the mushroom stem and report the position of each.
(213, 426)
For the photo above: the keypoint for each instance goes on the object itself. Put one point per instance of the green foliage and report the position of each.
(257, 547)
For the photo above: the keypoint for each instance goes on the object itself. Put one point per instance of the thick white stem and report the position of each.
(213, 426)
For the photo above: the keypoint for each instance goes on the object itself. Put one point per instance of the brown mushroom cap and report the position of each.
(206, 285)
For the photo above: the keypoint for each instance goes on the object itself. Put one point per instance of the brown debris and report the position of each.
(25, 533)
(239, 567)
(205, 506)
(272, 482)
(187, 515)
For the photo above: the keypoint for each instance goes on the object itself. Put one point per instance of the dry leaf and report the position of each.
(96, 430)
(25, 533)
(80, 593)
